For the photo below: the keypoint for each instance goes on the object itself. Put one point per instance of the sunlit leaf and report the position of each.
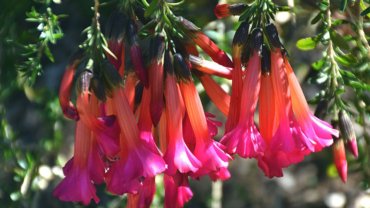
(306, 44)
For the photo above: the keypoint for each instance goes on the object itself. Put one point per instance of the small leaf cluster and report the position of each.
(49, 32)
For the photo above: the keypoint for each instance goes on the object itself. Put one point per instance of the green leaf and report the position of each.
(346, 60)
(347, 74)
(359, 85)
(343, 5)
(317, 18)
(48, 54)
(152, 7)
(317, 65)
(323, 6)
(339, 41)
(365, 12)
(306, 44)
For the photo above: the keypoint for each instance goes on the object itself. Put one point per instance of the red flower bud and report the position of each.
(340, 159)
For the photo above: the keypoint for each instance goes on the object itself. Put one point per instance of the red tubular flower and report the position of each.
(144, 197)
(237, 74)
(130, 84)
(218, 96)
(245, 139)
(291, 132)
(210, 67)
(117, 48)
(156, 79)
(145, 123)
(177, 190)
(139, 160)
(105, 128)
(69, 110)
(318, 132)
(77, 185)
(210, 48)
(178, 156)
(340, 159)
(209, 152)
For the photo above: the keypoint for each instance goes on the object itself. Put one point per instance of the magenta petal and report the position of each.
(177, 190)
(108, 135)
(130, 183)
(211, 156)
(244, 140)
(222, 174)
(179, 157)
(76, 187)
(96, 165)
(152, 163)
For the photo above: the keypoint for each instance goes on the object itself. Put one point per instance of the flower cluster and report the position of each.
(149, 123)
(263, 77)
(138, 114)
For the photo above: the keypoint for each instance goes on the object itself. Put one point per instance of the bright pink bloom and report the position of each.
(178, 156)
(245, 139)
(291, 131)
(77, 186)
(177, 190)
(208, 151)
(138, 159)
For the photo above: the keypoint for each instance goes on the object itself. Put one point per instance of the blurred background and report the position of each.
(36, 141)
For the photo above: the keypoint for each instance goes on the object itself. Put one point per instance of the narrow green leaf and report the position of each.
(346, 60)
(306, 44)
(347, 74)
(317, 18)
(343, 5)
(359, 85)
(48, 53)
(152, 7)
(365, 12)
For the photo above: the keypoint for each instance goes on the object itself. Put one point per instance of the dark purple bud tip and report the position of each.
(237, 9)
(241, 34)
(181, 67)
(257, 40)
(273, 36)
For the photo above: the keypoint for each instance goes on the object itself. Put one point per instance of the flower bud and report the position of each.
(241, 34)
(225, 10)
(273, 36)
(257, 40)
(348, 132)
(340, 160)
(181, 67)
